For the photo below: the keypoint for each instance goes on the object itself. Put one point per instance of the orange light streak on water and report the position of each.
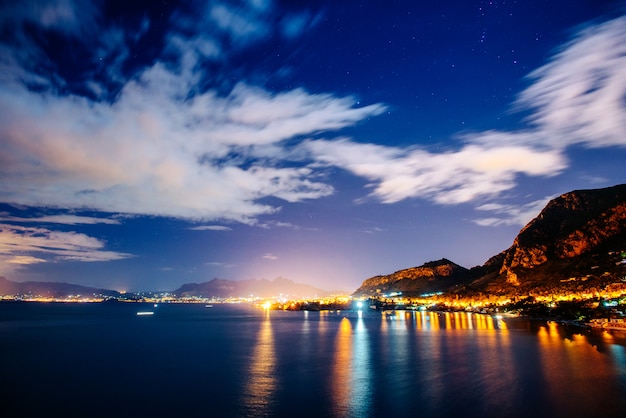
(261, 385)
(342, 369)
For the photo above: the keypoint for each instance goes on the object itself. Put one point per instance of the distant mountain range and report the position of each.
(218, 288)
(577, 242)
(257, 287)
(51, 289)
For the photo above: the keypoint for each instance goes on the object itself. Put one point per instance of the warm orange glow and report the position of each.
(342, 368)
(450, 320)
(606, 336)
(261, 383)
(569, 357)
(351, 383)
(434, 320)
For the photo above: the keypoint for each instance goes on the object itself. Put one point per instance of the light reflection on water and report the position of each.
(361, 378)
(342, 369)
(351, 383)
(261, 383)
(239, 361)
(395, 361)
(572, 359)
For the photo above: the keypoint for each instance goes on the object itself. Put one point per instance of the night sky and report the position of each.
(144, 145)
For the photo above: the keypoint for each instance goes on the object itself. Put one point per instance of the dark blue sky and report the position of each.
(144, 145)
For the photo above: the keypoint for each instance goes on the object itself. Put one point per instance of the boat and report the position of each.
(208, 306)
(145, 313)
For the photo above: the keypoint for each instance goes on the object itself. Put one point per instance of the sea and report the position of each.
(234, 360)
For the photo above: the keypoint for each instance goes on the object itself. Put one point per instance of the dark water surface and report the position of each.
(93, 360)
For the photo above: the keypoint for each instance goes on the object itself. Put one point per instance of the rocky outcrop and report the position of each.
(577, 242)
(574, 225)
(434, 276)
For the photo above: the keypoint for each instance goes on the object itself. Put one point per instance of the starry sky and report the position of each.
(148, 144)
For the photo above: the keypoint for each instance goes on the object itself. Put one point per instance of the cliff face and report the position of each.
(434, 276)
(577, 242)
(570, 231)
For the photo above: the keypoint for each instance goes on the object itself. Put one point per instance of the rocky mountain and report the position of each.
(50, 289)
(577, 242)
(578, 237)
(435, 276)
(264, 288)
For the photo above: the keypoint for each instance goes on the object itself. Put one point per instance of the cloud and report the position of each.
(61, 219)
(510, 214)
(15, 241)
(277, 224)
(210, 228)
(24, 260)
(240, 24)
(219, 264)
(253, 21)
(295, 24)
(156, 151)
(95, 65)
(373, 230)
(227, 29)
(464, 175)
(62, 15)
(269, 256)
(579, 97)
(157, 142)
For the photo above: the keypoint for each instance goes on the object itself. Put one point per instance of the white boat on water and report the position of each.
(145, 313)
(208, 306)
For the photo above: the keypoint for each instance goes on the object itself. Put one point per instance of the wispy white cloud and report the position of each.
(251, 21)
(154, 151)
(579, 97)
(67, 16)
(464, 175)
(219, 264)
(24, 60)
(23, 260)
(165, 145)
(373, 230)
(240, 24)
(269, 256)
(61, 219)
(507, 214)
(276, 224)
(210, 228)
(19, 241)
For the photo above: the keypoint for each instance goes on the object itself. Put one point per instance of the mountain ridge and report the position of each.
(218, 288)
(431, 277)
(50, 289)
(223, 288)
(577, 241)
